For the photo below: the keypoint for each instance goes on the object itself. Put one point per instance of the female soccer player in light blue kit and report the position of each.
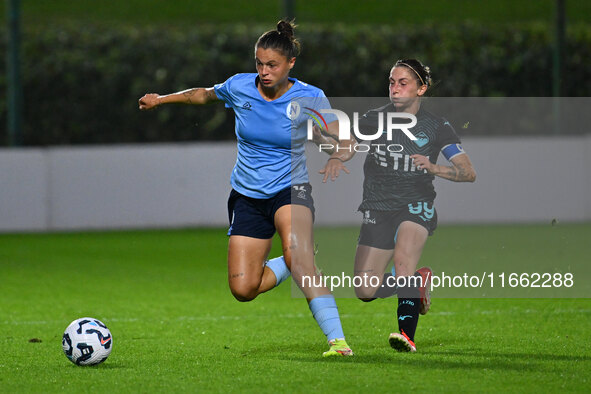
(270, 189)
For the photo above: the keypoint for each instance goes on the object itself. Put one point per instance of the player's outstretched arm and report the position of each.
(197, 96)
(461, 169)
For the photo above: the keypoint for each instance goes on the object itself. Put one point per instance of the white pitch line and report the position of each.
(292, 316)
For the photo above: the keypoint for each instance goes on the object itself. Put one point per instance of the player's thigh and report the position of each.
(294, 225)
(370, 265)
(375, 246)
(246, 256)
(372, 261)
(410, 240)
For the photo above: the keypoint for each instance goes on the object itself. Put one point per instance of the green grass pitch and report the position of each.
(177, 328)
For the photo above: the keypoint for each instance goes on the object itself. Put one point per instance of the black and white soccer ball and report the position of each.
(87, 341)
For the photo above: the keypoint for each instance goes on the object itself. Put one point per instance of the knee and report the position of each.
(244, 293)
(365, 294)
(244, 296)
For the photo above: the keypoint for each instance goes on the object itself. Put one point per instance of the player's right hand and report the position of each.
(149, 101)
(332, 169)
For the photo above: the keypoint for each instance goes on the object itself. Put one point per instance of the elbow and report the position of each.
(472, 176)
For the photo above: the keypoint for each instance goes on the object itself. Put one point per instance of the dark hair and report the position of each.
(421, 72)
(280, 39)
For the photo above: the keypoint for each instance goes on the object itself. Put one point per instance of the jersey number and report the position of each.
(422, 209)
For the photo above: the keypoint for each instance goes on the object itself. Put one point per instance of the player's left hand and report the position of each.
(332, 169)
(423, 163)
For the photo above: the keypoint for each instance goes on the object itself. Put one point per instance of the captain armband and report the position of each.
(452, 150)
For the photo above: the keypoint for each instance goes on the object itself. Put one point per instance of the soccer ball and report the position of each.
(87, 341)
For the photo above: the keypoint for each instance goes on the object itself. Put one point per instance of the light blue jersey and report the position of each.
(271, 134)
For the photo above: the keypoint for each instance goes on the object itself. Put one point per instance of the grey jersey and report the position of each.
(392, 181)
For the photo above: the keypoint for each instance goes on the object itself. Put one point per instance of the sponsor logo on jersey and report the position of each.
(422, 139)
(398, 161)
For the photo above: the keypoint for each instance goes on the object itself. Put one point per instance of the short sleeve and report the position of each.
(314, 107)
(322, 102)
(448, 141)
(224, 91)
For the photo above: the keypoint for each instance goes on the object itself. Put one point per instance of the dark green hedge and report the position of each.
(81, 83)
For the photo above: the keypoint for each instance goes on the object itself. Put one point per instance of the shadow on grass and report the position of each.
(436, 359)
(523, 356)
(426, 360)
(105, 365)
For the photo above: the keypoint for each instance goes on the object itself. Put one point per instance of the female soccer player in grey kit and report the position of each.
(270, 189)
(398, 195)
